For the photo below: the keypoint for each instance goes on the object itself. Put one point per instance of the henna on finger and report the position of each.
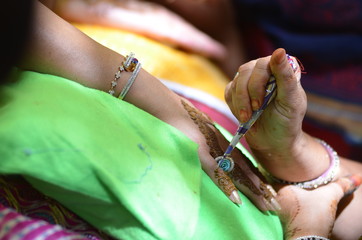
(238, 175)
(204, 122)
(207, 128)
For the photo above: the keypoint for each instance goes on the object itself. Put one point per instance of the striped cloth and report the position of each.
(14, 226)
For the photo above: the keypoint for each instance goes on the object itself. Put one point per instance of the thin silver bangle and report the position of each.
(130, 81)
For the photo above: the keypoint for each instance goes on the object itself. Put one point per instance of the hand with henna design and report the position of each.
(244, 175)
(313, 212)
(49, 41)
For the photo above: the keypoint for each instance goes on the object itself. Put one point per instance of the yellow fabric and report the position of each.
(162, 61)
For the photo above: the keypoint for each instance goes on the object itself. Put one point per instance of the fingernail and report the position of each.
(281, 57)
(255, 104)
(272, 204)
(272, 191)
(235, 198)
(243, 116)
(356, 181)
(275, 204)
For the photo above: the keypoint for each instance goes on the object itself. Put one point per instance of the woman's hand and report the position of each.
(306, 213)
(244, 175)
(276, 138)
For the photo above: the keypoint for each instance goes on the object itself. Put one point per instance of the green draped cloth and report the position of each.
(119, 168)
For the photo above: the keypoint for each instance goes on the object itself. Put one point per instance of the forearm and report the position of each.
(60, 49)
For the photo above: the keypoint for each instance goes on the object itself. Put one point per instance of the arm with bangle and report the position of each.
(60, 49)
(285, 153)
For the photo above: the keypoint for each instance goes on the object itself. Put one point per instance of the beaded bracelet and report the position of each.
(311, 237)
(325, 178)
(131, 65)
(125, 64)
(115, 81)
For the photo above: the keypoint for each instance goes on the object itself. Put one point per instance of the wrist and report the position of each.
(305, 159)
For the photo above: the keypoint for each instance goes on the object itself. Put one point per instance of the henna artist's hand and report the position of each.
(313, 212)
(276, 139)
(244, 175)
(280, 124)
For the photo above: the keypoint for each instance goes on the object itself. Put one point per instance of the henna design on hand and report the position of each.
(239, 175)
(290, 233)
(204, 123)
(207, 128)
(224, 181)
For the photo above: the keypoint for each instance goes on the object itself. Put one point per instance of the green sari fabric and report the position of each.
(121, 169)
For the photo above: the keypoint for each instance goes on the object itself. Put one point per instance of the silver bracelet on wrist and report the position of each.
(131, 65)
(325, 178)
(311, 237)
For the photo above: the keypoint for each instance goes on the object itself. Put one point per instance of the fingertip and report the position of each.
(226, 185)
(356, 179)
(279, 55)
(235, 198)
(350, 184)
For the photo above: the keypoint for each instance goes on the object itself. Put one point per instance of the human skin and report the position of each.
(58, 48)
(87, 62)
(277, 139)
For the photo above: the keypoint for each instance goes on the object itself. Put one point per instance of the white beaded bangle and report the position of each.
(311, 237)
(325, 178)
(132, 65)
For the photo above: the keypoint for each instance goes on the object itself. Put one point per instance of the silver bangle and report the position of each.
(312, 237)
(131, 65)
(325, 178)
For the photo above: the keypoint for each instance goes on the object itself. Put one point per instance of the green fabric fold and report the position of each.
(121, 169)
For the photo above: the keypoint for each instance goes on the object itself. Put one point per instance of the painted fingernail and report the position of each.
(356, 181)
(235, 198)
(255, 104)
(243, 116)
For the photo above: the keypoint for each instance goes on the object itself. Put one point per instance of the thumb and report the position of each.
(346, 185)
(290, 95)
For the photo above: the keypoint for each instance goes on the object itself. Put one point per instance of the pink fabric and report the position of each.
(16, 226)
(25, 201)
